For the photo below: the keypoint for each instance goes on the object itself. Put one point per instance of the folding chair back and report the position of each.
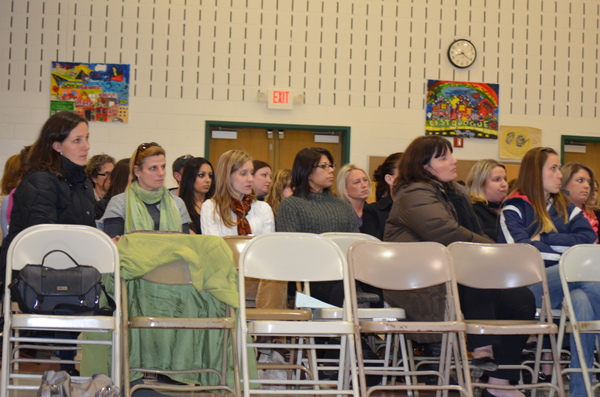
(237, 245)
(497, 265)
(504, 266)
(410, 266)
(345, 240)
(88, 246)
(402, 266)
(300, 257)
(579, 264)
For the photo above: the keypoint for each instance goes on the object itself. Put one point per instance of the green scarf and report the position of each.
(137, 216)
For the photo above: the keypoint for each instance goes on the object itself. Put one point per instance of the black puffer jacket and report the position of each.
(43, 197)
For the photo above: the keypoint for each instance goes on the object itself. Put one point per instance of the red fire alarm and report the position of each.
(459, 142)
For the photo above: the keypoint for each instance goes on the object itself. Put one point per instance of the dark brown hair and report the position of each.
(416, 156)
(56, 129)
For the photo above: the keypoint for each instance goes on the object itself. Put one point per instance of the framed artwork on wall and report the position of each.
(462, 109)
(97, 91)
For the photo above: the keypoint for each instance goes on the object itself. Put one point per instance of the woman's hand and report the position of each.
(536, 238)
(116, 239)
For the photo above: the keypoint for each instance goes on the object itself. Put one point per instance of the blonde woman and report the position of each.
(234, 210)
(488, 187)
(354, 186)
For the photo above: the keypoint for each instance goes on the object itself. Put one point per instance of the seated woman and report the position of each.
(314, 209)
(537, 212)
(262, 179)
(197, 185)
(234, 211)
(147, 203)
(375, 214)
(354, 185)
(578, 181)
(280, 189)
(119, 180)
(488, 187)
(430, 206)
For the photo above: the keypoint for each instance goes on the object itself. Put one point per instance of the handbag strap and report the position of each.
(53, 251)
(75, 310)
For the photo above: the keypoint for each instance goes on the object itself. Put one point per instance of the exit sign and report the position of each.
(280, 99)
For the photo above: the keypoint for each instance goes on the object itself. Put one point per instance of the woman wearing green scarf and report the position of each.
(146, 204)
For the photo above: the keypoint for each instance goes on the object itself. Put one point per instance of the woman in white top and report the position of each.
(234, 210)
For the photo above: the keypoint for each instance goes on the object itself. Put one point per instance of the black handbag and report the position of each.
(73, 291)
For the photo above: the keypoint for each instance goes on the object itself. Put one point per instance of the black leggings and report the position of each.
(494, 304)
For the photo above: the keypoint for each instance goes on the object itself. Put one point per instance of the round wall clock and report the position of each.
(462, 53)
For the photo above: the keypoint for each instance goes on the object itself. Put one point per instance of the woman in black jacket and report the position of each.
(375, 214)
(55, 188)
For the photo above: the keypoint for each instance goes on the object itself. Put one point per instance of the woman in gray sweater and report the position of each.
(314, 209)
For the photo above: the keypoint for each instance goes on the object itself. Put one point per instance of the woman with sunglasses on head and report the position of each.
(539, 213)
(314, 209)
(147, 203)
(197, 185)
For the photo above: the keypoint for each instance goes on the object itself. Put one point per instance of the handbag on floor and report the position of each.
(75, 290)
(60, 384)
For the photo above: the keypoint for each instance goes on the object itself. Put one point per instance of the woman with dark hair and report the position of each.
(578, 181)
(54, 188)
(430, 206)
(262, 179)
(539, 213)
(119, 179)
(375, 214)
(314, 209)
(146, 204)
(197, 186)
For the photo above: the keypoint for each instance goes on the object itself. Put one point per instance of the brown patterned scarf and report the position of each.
(241, 209)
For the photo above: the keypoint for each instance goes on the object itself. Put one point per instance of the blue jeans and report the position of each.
(585, 297)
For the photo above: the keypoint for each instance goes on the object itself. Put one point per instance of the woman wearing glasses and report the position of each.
(314, 209)
(98, 170)
(147, 203)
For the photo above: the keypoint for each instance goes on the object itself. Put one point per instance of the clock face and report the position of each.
(462, 53)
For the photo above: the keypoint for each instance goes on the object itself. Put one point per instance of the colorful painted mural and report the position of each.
(462, 109)
(97, 91)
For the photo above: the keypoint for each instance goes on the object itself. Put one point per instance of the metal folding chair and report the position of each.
(501, 266)
(410, 266)
(88, 246)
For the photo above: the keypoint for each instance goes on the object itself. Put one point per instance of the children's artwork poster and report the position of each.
(462, 109)
(97, 91)
(514, 142)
